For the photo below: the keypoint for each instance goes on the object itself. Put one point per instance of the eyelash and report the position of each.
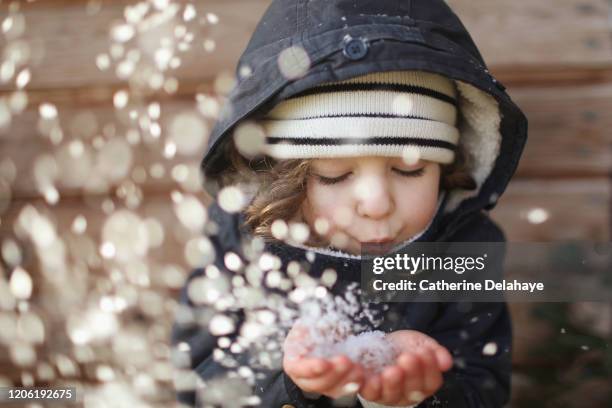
(404, 173)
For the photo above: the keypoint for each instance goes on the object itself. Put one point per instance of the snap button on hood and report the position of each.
(355, 48)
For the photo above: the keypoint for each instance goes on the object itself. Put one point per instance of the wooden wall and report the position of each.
(554, 56)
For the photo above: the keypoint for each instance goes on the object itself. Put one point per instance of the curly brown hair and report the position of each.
(281, 186)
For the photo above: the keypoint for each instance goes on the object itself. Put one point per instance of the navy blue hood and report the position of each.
(348, 38)
(343, 39)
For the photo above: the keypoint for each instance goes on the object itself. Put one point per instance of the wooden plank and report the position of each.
(150, 289)
(569, 131)
(544, 210)
(530, 210)
(523, 32)
(23, 144)
(516, 76)
(64, 55)
(87, 272)
(96, 210)
(572, 209)
(556, 33)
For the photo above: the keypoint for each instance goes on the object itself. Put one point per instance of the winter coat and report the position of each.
(347, 38)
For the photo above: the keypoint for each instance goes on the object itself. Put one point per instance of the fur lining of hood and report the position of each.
(480, 138)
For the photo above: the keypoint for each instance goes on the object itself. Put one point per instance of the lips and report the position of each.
(377, 246)
(378, 241)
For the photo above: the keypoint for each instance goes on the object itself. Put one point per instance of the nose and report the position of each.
(374, 198)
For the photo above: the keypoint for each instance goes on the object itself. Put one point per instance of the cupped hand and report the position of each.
(332, 377)
(416, 374)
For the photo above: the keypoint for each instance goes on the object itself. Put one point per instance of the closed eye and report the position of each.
(333, 180)
(410, 173)
(339, 179)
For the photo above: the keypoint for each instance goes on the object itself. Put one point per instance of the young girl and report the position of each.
(374, 124)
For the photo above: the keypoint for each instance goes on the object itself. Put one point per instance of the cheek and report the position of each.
(324, 201)
(317, 201)
(419, 200)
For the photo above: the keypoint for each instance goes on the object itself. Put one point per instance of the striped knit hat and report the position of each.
(378, 114)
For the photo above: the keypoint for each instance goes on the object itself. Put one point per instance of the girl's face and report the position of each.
(367, 200)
